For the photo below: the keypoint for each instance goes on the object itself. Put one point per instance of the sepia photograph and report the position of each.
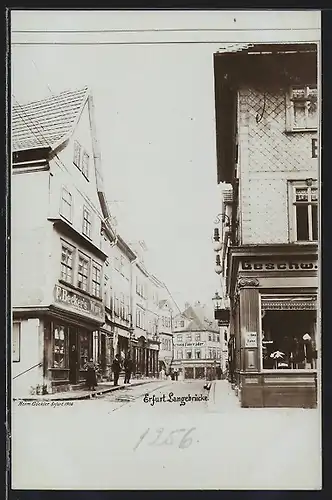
(165, 250)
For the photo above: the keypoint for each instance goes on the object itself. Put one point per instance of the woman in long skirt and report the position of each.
(91, 378)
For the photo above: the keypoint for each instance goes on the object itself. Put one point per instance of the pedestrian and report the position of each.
(176, 373)
(91, 378)
(128, 366)
(116, 368)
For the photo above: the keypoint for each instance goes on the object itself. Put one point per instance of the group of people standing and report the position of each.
(91, 369)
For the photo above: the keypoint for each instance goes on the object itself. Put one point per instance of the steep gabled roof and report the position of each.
(198, 319)
(47, 122)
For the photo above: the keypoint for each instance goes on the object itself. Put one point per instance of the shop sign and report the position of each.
(289, 265)
(189, 344)
(250, 339)
(78, 302)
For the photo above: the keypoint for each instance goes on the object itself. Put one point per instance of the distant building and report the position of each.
(197, 343)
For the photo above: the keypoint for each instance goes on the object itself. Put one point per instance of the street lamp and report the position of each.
(217, 245)
(218, 268)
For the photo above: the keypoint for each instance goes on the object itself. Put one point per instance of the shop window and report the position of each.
(16, 342)
(198, 337)
(301, 109)
(67, 256)
(60, 347)
(86, 222)
(188, 354)
(288, 339)
(304, 212)
(179, 338)
(83, 272)
(85, 164)
(96, 280)
(66, 204)
(85, 343)
(198, 354)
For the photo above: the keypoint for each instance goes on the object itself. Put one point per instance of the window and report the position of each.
(85, 347)
(301, 110)
(198, 354)
(179, 354)
(188, 354)
(77, 154)
(86, 222)
(188, 337)
(304, 213)
(182, 324)
(67, 254)
(122, 306)
(218, 338)
(66, 204)
(83, 273)
(60, 347)
(214, 337)
(85, 164)
(116, 306)
(210, 337)
(16, 342)
(179, 338)
(198, 337)
(288, 336)
(96, 280)
(210, 353)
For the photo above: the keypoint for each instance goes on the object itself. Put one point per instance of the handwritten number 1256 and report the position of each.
(185, 441)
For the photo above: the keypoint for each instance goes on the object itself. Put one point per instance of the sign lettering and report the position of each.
(78, 302)
(279, 266)
(189, 344)
(250, 339)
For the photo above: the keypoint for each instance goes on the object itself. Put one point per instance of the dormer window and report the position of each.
(81, 159)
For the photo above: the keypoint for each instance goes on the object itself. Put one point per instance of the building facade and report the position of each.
(268, 154)
(197, 343)
(57, 252)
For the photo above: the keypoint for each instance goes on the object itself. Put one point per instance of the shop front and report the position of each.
(273, 353)
(70, 328)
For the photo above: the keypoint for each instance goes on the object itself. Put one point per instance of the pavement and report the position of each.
(79, 394)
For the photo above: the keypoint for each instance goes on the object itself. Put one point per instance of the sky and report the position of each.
(154, 107)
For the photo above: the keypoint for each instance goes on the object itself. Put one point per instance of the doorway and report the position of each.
(73, 356)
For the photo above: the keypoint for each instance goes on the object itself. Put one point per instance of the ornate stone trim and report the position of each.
(246, 282)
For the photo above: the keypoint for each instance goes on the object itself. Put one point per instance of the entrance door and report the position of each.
(73, 356)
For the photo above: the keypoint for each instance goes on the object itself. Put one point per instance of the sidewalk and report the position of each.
(102, 388)
(222, 397)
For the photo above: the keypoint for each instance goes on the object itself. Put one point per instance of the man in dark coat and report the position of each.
(116, 368)
(128, 366)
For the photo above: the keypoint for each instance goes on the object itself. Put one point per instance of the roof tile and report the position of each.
(43, 123)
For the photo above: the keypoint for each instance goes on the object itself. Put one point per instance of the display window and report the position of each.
(288, 333)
